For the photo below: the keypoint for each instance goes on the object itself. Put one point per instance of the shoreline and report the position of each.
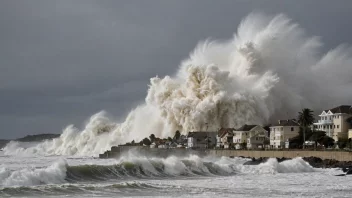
(317, 159)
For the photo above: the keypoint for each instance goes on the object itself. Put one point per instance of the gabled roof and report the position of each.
(260, 135)
(223, 131)
(290, 122)
(341, 109)
(199, 134)
(246, 127)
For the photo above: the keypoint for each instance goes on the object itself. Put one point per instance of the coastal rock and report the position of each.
(328, 163)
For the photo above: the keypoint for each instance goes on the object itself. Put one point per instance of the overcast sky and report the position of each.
(61, 61)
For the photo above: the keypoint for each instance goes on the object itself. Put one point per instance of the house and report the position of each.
(335, 122)
(248, 134)
(201, 139)
(282, 132)
(224, 138)
(258, 140)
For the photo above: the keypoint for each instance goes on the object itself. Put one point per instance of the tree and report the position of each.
(317, 137)
(147, 142)
(244, 145)
(152, 137)
(169, 139)
(177, 135)
(342, 142)
(327, 141)
(297, 141)
(305, 119)
(266, 142)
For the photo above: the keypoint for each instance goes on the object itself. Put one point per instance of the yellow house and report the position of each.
(283, 131)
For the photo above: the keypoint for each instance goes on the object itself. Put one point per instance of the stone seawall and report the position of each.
(324, 155)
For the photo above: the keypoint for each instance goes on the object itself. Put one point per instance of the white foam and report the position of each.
(268, 70)
(54, 174)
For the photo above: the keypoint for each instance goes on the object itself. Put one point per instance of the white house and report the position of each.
(247, 135)
(282, 132)
(335, 122)
(201, 139)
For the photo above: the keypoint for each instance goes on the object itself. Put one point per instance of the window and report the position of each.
(292, 129)
(334, 126)
(337, 126)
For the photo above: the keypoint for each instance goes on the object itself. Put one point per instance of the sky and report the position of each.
(62, 61)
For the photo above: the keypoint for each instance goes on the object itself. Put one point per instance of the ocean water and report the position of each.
(133, 175)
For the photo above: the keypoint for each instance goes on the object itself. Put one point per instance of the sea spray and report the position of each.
(268, 70)
(54, 174)
(140, 167)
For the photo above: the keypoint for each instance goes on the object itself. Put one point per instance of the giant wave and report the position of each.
(268, 70)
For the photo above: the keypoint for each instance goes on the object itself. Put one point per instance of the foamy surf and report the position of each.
(54, 174)
(145, 168)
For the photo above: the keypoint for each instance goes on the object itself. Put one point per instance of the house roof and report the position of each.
(341, 109)
(223, 131)
(290, 122)
(246, 127)
(260, 135)
(199, 134)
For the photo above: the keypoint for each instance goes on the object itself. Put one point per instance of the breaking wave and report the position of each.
(268, 70)
(138, 167)
(54, 174)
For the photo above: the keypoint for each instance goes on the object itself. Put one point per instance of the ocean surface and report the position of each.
(191, 176)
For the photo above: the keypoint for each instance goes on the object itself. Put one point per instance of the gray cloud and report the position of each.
(61, 61)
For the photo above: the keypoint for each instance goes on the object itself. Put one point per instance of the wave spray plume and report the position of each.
(268, 70)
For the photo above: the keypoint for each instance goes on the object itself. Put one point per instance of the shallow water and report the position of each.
(190, 176)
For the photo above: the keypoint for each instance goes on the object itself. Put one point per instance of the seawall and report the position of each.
(324, 155)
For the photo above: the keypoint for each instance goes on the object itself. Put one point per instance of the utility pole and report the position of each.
(304, 137)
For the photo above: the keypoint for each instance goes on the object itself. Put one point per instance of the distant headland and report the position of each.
(30, 138)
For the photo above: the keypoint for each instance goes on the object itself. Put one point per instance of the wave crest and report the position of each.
(268, 70)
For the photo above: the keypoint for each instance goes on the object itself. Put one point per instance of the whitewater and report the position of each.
(270, 69)
(189, 176)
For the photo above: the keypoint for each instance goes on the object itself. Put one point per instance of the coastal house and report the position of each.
(282, 132)
(258, 140)
(335, 122)
(225, 138)
(201, 139)
(249, 136)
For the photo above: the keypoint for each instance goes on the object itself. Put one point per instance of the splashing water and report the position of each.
(137, 166)
(268, 70)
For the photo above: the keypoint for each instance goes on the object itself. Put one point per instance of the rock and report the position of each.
(328, 163)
